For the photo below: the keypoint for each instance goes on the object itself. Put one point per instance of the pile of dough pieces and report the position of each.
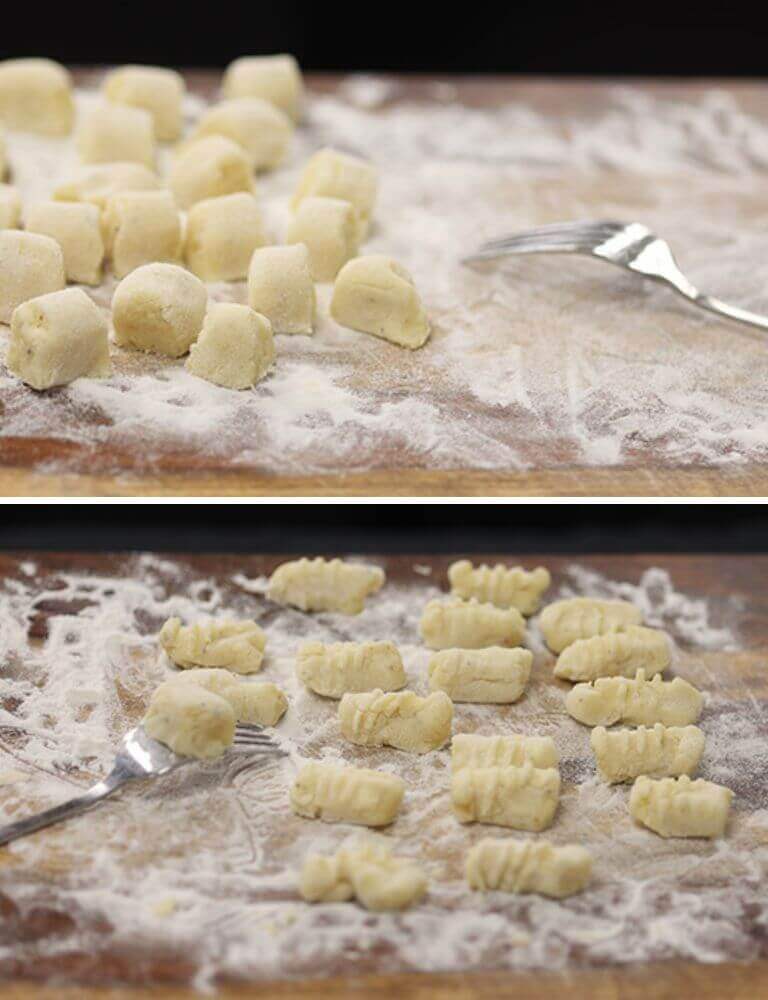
(164, 238)
(513, 781)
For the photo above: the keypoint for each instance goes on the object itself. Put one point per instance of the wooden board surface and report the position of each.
(55, 462)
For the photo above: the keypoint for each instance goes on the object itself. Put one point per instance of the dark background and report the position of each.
(588, 38)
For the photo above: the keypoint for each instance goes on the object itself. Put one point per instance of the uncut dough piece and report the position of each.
(470, 625)
(661, 752)
(101, 181)
(142, 227)
(528, 866)
(617, 654)
(576, 618)
(154, 89)
(234, 645)
(347, 794)
(331, 174)
(523, 798)
(637, 702)
(222, 234)
(679, 807)
(401, 720)
(235, 348)
(58, 337)
(160, 308)
(375, 295)
(10, 207)
(470, 750)
(259, 128)
(333, 669)
(323, 585)
(36, 96)
(191, 721)
(30, 265)
(280, 287)
(328, 229)
(366, 872)
(276, 79)
(259, 702)
(504, 586)
(492, 676)
(208, 168)
(76, 228)
(114, 132)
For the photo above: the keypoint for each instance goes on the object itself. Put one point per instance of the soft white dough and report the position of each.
(328, 229)
(276, 79)
(259, 128)
(115, 132)
(76, 228)
(10, 207)
(155, 89)
(331, 174)
(98, 182)
(58, 337)
(190, 720)
(207, 168)
(141, 227)
(280, 287)
(222, 234)
(30, 265)
(36, 96)
(235, 348)
(159, 308)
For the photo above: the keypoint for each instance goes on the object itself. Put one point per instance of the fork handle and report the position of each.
(730, 312)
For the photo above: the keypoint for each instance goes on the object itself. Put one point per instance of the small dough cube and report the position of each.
(260, 129)
(58, 337)
(222, 234)
(235, 348)
(36, 96)
(208, 168)
(100, 181)
(276, 79)
(10, 207)
(76, 228)
(159, 308)
(30, 265)
(190, 720)
(376, 295)
(331, 174)
(113, 132)
(142, 227)
(280, 287)
(328, 229)
(155, 89)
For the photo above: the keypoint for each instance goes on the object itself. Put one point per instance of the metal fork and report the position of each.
(139, 756)
(627, 244)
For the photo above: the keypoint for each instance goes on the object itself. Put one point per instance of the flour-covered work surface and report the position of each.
(539, 363)
(195, 877)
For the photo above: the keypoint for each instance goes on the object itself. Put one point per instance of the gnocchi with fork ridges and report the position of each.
(471, 750)
(470, 625)
(401, 719)
(638, 702)
(680, 807)
(504, 586)
(334, 669)
(617, 654)
(528, 866)
(337, 794)
(575, 618)
(235, 645)
(325, 585)
(661, 752)
(523, 798)
(366, 872)
(490, 676)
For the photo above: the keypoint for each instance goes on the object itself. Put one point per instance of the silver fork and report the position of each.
(627, 244)
(139, 756)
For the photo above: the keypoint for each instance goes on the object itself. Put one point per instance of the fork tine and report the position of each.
(249, 727)
(556, 231)
(255, 739)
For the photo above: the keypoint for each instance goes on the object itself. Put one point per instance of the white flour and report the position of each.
(200, 868)
(533, 363)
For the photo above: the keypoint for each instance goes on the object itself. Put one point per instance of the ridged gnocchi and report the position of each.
(617, 654)
(566, 621)
(333, 669)
(366, 872)
(523, 798)
(528, 866)
(338, 794)
(638, 702)
(470, 750)
(487, 676)
(504, 586)
(235, 645)
(680, 807)
(259, 702)
(325, 585)
(397, 719)
(664, 751)
(470, 625)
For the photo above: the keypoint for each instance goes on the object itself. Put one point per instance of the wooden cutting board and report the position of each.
(594, 384)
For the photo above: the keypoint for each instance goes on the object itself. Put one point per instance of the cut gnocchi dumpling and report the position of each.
(259, 128)
(280, 287)
(664, 751)
(276, 79)
(190, 720)
(637, 702)
(528, 866)
(208, 168)
(160, 308)
(616, 654)
(155, 89)
(10, 207)
(141, 227)
(680, 807)
(331, 174)
(504, 586)
(259, 702)
(222, 234)
(576, 618)
(36, 96)
(325, 585)
(333, 669)
(366, 872)
(235, 348)
(523, 798)
(114, 133)
(328, 229)
(234, 645)
(347, 794)
(397, 719)
(30, 265)
(76, 227)
(493, 676)
(471, 750)
(99, 182)
(470, 625)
